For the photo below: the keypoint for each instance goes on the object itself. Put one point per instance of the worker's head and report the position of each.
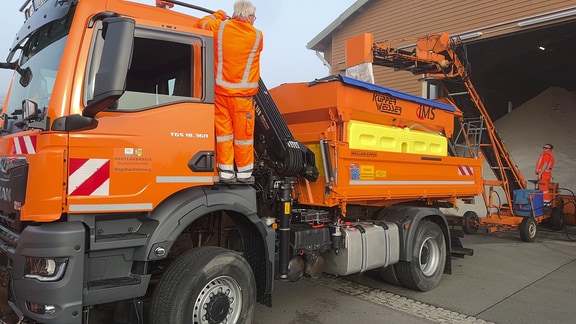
(548, 147)
(244, 10)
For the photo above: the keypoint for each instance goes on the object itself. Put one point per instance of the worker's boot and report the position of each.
(227, 176)
(246, 180)
(245, 176)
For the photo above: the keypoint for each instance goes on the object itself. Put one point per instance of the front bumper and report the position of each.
(51, 240)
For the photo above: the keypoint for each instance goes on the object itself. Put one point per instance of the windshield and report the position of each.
(40, 56)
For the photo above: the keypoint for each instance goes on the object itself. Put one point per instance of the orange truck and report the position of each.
(111, 207)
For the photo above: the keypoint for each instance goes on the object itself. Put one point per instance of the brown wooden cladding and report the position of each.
(400, 19)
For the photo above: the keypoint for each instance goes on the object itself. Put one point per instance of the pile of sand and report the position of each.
(547, 118)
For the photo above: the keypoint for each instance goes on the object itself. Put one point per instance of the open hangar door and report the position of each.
(510, 69)
(519, 71)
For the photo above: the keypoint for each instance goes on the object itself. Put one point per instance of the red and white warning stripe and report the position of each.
(24, 145)
(465, 170)
(89, 177)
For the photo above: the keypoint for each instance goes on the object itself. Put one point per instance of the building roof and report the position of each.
(318, 43)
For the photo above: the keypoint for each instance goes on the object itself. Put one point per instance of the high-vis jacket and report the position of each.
(237, 61)
(545, 163)
(544, 168)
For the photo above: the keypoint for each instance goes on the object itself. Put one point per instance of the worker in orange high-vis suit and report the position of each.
(237, 69)
(544, 168)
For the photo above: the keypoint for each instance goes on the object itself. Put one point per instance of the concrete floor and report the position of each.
(505, 281)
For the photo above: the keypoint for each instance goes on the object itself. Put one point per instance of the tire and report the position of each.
(201, 284)
(528, 229)
(388, 275)
(470, 222)
(428, 259)
(556, 219)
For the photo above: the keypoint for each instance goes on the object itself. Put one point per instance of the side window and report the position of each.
(165, 68)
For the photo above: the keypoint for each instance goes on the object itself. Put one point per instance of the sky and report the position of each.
(288, 25)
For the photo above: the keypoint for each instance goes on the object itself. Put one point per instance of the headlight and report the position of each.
(45, 269)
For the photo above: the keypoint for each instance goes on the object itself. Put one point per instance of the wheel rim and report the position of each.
(532, 229)
(474, 221)
(220, 301)
(429, 257)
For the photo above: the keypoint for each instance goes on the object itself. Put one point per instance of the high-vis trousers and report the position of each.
(544, 185)
(234, 121)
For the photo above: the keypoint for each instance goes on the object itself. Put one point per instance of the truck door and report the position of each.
(157, 138)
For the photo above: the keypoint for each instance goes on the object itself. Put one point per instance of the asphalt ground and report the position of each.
(505, 281)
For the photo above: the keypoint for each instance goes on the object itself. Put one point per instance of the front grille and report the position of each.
(8, 239)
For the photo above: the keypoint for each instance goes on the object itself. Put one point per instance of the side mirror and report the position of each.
(25, 76)
(110, 81)
(29, 110)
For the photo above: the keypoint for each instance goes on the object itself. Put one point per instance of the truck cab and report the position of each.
(107, 140)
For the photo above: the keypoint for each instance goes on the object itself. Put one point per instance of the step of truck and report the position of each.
(113, 283)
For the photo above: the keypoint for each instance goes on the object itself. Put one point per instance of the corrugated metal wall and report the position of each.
(398, 19)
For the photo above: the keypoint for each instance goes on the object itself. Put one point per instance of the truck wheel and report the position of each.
(205, 285)
(470, 222)
(388, 275)
(528, 229)
(556, 219)
(428, 259)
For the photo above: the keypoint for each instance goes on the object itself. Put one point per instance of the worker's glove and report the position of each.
(220, 14)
